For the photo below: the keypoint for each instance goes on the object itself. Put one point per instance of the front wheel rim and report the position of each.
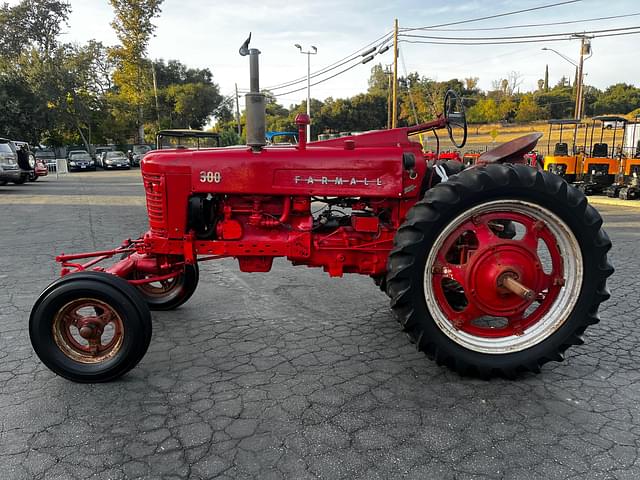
(88, 330)
(464, 289)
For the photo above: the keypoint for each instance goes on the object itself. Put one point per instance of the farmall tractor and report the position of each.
(494, 270)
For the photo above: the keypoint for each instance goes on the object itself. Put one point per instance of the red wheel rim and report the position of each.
(487, 289)
(88, 330)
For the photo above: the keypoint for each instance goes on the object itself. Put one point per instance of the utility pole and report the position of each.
(308, 53)
(394, 102)
(585, 47)
(238, 112)
(387, 71)
(155, 92)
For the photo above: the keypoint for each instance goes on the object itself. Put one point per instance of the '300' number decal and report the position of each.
(210, 177)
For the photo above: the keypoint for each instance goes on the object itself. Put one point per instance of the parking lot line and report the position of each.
(103, 200)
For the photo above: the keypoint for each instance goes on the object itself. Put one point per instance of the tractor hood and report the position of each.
(316, 170)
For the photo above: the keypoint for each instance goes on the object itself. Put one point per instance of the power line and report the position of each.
(413, 105)
(615, 34)
(507, 42)
(380, 40)
(516, 37)
(529, 25)
(541, 7)
(318, 82)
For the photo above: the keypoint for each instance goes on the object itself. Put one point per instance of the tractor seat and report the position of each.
(561, 149)
(600, 150)
(512, 151)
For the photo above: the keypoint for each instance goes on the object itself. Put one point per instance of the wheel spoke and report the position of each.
(455, 272)
(94, 345)
(105, 318)
(532, 235)
(483, 233)
(72, 318)
(470, 313)
(516, 323)
(445, 269)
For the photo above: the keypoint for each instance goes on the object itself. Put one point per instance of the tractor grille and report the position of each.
(154, 186)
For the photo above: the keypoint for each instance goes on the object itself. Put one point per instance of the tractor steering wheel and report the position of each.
(455, 117)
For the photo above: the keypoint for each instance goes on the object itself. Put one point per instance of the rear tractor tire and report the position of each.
(90, 327)
(499, 270)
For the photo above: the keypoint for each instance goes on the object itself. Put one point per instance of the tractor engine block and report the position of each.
(336, 233)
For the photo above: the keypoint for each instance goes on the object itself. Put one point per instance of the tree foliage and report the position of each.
(57, 93)
(133, 26)
(618, 98)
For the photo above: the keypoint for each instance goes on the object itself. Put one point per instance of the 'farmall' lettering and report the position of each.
(367, 182)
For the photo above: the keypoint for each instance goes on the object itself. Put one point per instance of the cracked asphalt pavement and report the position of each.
(295, 375)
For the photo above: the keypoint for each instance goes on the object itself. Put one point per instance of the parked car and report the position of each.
(9, 169)
(609, 124)
(115, 159)
(136, 153)
(99, 151)
(37, 168)
(80, 160)
(47, 156)
(40, 170)
(26, 160)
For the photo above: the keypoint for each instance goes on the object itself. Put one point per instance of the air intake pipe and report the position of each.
(254, 100)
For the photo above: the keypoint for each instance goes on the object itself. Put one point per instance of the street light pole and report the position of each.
(308, 54)
(585, 47)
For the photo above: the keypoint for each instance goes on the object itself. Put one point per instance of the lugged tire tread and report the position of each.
(445, 196)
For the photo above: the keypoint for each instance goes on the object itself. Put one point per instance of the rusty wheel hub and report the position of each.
(88, 330)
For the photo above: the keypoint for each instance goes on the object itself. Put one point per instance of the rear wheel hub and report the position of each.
(488, 270)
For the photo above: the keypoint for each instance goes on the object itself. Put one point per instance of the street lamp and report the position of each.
(562, 55)
(585, 47)
(308, 53)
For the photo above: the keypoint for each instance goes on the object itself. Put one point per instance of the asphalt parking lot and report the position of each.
(292, 374)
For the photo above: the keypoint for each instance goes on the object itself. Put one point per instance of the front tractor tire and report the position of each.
(90, 327)
(488, 304)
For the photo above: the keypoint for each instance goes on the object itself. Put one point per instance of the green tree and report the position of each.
(507, 108)
(175, 72)
(19, 107)
(378, 81)
(187, 97)
(192, 103)
(528, 109)
(31, 24)
(620, 98)
(558, 102)
(32, 60)
(471, 84)
(484, 111)
(133, 26)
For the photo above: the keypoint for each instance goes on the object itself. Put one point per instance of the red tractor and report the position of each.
(494, 270)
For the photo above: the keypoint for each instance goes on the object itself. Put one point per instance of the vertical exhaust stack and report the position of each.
(254, 100)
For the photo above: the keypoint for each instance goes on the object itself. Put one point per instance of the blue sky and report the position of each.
(206, 33)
